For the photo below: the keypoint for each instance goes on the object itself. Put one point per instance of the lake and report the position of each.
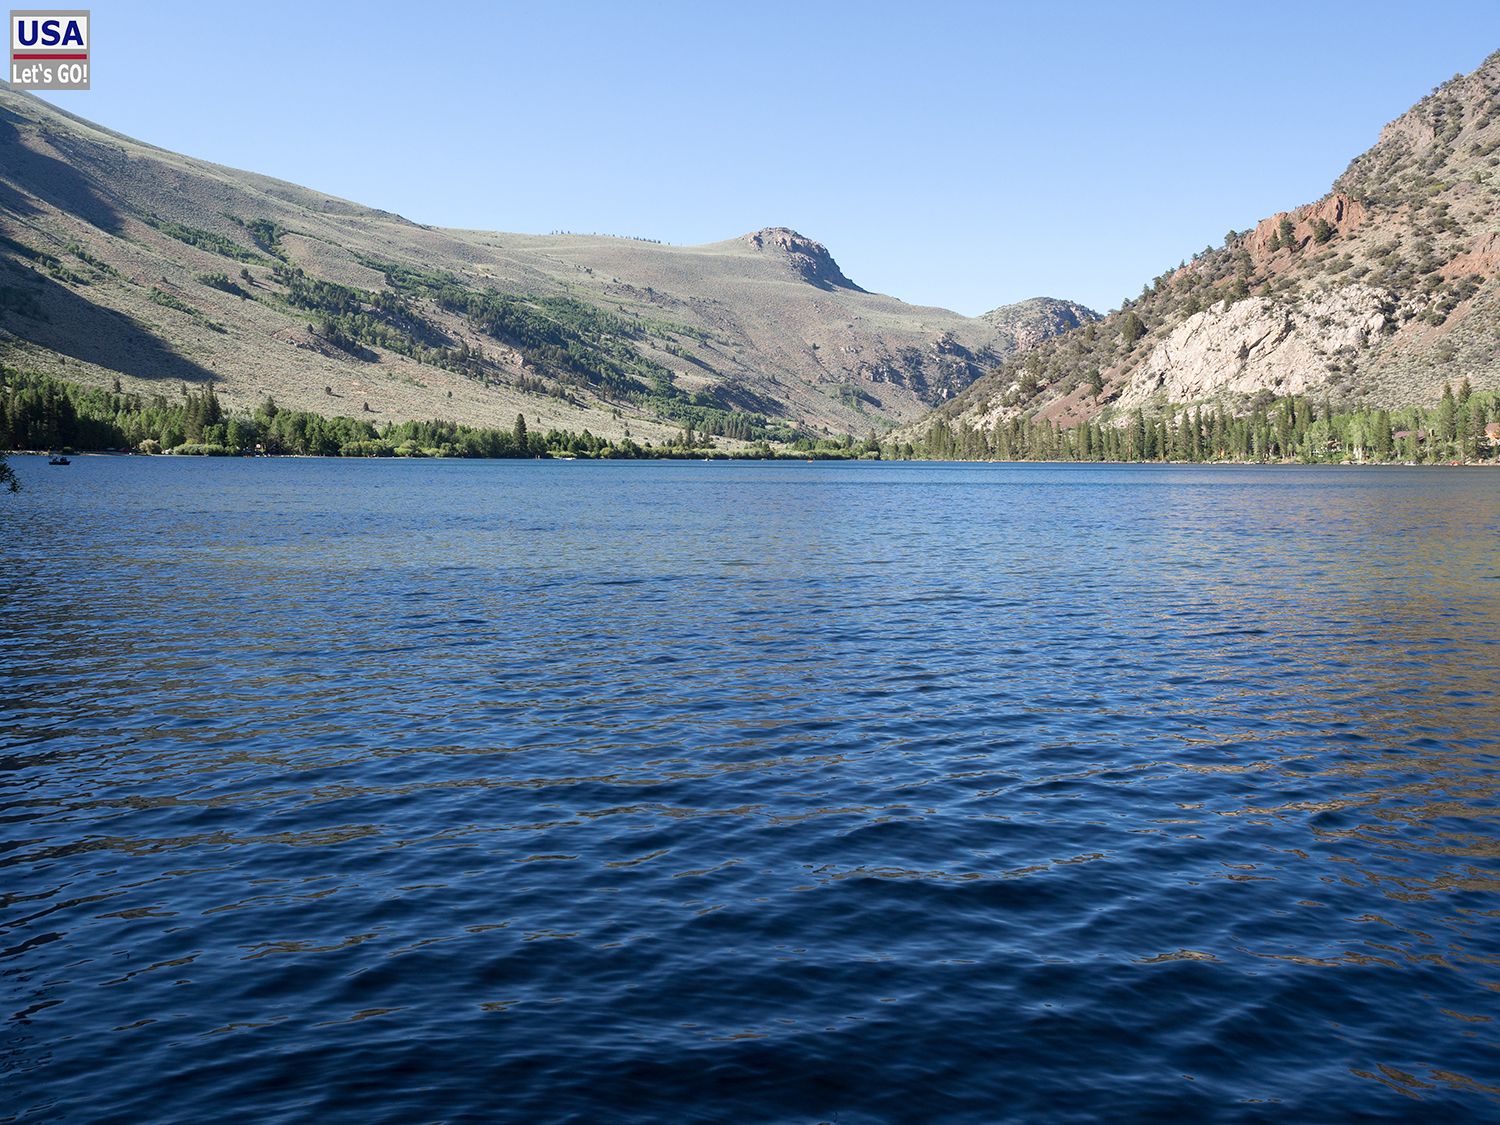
(471, 791)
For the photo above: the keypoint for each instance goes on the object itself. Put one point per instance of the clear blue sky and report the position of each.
(954, 154)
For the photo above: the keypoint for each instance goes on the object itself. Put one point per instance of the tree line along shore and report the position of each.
(40, 412)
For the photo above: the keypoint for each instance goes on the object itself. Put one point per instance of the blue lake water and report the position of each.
(461, 791)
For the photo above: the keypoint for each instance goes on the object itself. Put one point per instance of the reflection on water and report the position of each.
(456, 791)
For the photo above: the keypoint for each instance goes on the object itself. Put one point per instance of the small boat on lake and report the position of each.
(59, 461)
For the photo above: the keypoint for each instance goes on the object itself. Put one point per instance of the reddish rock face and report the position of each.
(1482, 258)
(1338, 210)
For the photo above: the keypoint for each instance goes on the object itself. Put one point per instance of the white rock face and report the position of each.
(1261, 343)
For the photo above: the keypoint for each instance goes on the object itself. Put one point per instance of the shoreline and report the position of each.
(786, 459)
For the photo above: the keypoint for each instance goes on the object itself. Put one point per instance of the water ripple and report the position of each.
(465, 792)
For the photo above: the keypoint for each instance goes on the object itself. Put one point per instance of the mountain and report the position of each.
(1040, 318)
(1375, 295)
(123, 261)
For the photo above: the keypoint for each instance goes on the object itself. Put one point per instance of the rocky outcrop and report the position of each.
(1342, 213)
(1030, 322)
(1412, 130)
(808, 259)
(1482, 257)
(1258, 344)
(1378, 294)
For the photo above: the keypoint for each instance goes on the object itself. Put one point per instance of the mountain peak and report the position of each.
(1036, 319)
(176, 269)
(808, 258)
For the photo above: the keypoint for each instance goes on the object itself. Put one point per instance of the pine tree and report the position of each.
(1447, 415)
(1303, 419)
(1465, 434)
(1383, 440)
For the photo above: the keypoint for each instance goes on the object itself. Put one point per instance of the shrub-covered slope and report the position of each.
(1378, 294)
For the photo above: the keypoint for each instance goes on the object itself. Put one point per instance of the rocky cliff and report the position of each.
(1377, 294)
(805, 258)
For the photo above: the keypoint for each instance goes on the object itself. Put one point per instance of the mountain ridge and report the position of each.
(1377, 294)
(123, 260)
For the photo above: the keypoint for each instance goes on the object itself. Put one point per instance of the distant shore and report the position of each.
(39, 412)
(720, 455)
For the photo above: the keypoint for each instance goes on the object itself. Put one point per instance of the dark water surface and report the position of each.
(372, 791)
